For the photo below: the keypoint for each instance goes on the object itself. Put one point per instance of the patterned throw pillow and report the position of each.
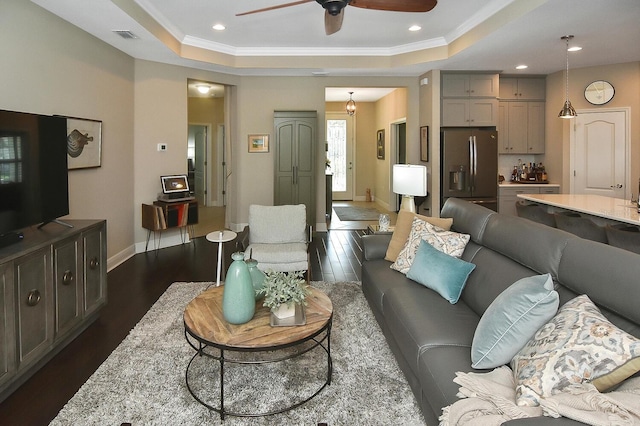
(578, 345)
(403, 229)
(449, 242)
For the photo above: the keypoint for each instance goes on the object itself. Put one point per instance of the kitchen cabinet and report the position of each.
(469, 112)
(508, 194)
(295, 168)
(521, 127)
(456, 85)
(521, 89)
(52, 285)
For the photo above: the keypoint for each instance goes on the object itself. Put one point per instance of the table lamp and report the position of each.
(409, 181)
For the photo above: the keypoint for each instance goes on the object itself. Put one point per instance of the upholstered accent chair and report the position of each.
(277, 237)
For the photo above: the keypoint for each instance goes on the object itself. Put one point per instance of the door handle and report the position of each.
(617, 186)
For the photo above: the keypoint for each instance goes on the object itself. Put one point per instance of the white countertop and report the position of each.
(595, 205)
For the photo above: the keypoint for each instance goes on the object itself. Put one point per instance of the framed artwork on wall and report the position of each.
(380, 144)
(258, 143)
(84, 143)
(424, 143)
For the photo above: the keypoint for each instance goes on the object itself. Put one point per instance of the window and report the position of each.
(10, 159)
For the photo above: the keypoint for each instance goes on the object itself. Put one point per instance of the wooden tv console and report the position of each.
(52, 285)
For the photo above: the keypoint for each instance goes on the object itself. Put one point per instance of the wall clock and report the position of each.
(599, 92)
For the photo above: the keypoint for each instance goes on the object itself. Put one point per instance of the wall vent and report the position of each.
(126, 34)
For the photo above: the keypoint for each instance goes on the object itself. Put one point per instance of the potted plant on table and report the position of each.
(283, 291)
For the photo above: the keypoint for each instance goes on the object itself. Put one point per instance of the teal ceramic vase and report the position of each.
(257, 277)
(238, 297)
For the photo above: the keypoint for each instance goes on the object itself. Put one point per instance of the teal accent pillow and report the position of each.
(440, 272)
(512, 319)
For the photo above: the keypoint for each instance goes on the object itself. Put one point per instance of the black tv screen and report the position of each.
(33, 169)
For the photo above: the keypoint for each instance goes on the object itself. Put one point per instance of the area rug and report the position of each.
(143, 380)
(355, 213)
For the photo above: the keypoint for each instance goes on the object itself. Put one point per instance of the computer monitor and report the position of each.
(174, 184)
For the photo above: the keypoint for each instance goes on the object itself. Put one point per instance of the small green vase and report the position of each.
(238, 297)
(257, 277)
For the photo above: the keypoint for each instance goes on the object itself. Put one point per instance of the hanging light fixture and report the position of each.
(351, 105)
(567, 110)
(203, 88)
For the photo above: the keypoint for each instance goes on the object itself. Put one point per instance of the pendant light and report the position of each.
(567, 110)
(351, 105)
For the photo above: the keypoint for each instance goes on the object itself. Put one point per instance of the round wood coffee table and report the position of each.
(203, 322)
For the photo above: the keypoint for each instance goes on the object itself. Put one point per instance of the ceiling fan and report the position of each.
(334, 9)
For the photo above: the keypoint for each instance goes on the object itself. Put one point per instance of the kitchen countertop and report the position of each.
(525, 185)
(616, 209)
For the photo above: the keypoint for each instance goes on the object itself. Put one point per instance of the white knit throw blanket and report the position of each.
(489, 399)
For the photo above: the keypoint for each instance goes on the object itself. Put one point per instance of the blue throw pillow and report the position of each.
(440, 272)
(512, 319)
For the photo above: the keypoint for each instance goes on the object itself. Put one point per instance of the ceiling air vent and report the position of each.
(126, 34)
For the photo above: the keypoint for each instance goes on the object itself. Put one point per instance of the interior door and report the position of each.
(340, 142)
(600, 151)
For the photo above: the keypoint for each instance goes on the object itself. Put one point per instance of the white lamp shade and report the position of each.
(409, 179)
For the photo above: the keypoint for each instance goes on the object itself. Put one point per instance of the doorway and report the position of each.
(399, 142)
(340, 141)
(198, 142)
(600, 153)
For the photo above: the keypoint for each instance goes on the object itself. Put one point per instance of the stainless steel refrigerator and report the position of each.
(469, 165)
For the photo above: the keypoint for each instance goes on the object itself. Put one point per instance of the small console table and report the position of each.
(164, 215)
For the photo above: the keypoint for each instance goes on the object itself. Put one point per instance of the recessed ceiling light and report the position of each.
(203, 88)
(574, 48)
(415, 28)
(219, 27)
(522, 67)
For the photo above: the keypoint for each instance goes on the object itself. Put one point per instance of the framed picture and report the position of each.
(84, 143)
(380, 144)
(258, 143)
(424, 143)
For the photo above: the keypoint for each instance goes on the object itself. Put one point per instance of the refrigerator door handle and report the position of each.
(473, 161)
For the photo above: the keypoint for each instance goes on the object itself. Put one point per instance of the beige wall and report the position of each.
(52, 67)
(625, 78)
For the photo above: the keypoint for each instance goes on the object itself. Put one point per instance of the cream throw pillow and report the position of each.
(447, 242)
(403, 229)
(578, 345)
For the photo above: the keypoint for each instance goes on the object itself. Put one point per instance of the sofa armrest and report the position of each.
(375, 246)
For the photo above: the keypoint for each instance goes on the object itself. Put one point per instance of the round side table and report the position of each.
(220, 237)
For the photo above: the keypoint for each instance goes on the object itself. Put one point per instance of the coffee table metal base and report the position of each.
(321, 340)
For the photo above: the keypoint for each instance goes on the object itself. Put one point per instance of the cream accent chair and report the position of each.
(277, 237)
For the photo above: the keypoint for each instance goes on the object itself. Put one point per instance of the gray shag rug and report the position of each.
(356, 213)
(143, 380)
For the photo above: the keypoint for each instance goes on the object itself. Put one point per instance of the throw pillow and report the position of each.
(440, 272)
(578, 345)
(512, 319)
(448, 242)
(403, 229)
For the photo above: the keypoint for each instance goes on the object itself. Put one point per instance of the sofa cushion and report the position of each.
(418, 318)
(440, 272)
(468, 218)
(403, 229)
(578, 345)
(512, 319)
(449, 242)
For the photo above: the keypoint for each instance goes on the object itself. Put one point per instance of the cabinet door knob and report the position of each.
(33, 298)
(67, 277)
(93, 263)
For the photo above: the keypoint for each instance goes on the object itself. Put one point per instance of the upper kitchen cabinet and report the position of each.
(523, 88)
(469, 100)
(521, 127)
(456, 85)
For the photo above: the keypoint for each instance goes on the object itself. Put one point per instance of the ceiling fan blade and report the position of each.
(333, 23)
(396, 5)
(280, 6)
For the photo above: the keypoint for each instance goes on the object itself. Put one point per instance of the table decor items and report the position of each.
(238, 299)
(283, 291)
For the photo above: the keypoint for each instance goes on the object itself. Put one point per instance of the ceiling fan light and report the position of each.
(334, 7)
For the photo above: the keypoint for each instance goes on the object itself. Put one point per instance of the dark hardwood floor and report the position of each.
(133, 288)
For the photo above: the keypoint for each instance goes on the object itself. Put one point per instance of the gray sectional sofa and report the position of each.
(431, 338)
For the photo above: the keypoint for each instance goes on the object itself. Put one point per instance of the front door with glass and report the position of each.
(340, 141)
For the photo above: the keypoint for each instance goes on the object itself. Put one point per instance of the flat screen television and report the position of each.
(33, 170)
